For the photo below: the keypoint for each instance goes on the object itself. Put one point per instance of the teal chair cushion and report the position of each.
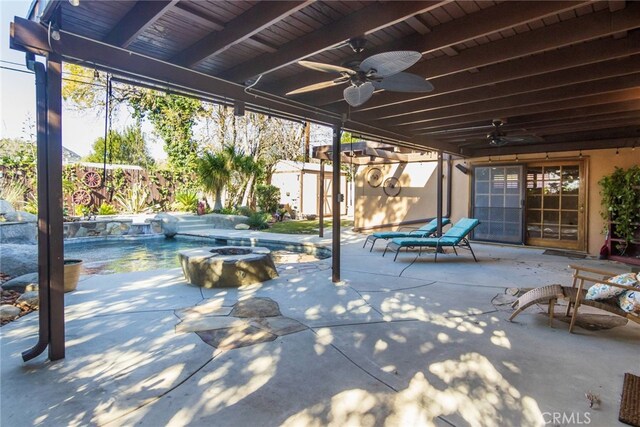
(425, 230)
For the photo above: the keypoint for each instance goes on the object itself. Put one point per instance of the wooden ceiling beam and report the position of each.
(499, 108)
(478, 24)
(632, 94)
(141, 16)
(556, 60)
(251, 22)
(558, 79)
(613, 129)
(535, 128)
(364, 21)
(553, 147)
(562, 34)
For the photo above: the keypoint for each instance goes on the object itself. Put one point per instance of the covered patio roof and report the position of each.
(560, 75)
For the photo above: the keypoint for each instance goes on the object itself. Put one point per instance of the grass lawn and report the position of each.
(303, 226)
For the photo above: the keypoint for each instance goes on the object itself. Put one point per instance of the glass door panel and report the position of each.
(554, 205)
(497, 203)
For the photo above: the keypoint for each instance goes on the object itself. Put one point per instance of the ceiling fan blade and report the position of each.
(326, 68)
(358, 95)
(317, 86)
(404, 82)
(388, 63)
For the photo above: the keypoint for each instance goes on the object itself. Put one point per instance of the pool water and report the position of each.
(121, 256)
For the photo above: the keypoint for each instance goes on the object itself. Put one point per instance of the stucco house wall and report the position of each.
(418, 193)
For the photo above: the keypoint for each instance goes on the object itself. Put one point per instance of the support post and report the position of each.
(321, 201)
(335, 200)
(54, 200)
(439, 193)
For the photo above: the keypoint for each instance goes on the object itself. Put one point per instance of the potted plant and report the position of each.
(620, 193)
(72, 269)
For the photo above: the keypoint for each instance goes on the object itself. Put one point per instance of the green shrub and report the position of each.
(258, 221)
(245, 211)
(186, 201)
(107, 209)
(134, 200)
(13, 192)
(268, 198)
(31, 205)
(227, 211)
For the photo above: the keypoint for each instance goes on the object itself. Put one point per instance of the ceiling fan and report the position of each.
(497, 137)
(381, 71)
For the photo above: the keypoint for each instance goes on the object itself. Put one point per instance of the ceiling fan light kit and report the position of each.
(380, 71)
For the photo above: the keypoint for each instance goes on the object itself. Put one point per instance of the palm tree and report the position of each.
(214, 171)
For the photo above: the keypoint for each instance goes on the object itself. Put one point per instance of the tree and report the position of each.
(126, 147)
(173, 117)
(214, 172)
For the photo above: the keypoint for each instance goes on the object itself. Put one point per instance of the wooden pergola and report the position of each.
(564, 75)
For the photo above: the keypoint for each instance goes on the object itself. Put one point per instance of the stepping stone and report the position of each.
(279, 325)
(256, 307)
(230, 338)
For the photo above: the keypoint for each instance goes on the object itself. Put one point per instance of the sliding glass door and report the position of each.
(498, 201)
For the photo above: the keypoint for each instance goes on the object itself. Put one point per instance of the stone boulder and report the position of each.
(18, 232)
(9, 312)
(30, 299)
(16, 260)
(24, 283)
(6, 207)
(169, 223)
(242, 226)
(20, 216)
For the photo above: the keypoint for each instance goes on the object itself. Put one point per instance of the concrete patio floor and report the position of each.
(399, 344)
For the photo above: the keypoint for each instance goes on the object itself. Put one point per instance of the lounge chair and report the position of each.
(455, 237)
(425, 231)
(575, 295)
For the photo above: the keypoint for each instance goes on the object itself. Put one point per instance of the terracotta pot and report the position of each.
(72, 269)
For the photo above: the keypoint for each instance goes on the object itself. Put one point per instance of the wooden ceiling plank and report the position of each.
(481, 23)
(531, 99)
(573, 103)
(581, 29)
(504, 53)
(366, 20)
(547, 62)
(191, 14)
(558, 79)
(141, 16)
(237, 30)
(552, 147)
(601, 120)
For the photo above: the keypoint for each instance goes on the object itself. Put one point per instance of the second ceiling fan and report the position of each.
(381, 71)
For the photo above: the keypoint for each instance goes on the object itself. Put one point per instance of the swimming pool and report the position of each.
(141, 254)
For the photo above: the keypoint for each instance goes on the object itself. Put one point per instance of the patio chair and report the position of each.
(455, 237)
(425, 231)
(575, 295)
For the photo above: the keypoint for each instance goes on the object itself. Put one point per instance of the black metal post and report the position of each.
(54, 200)
(321, 201)
(335, 200)
(439, 194)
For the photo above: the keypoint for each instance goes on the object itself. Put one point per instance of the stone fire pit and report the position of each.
(227, 266)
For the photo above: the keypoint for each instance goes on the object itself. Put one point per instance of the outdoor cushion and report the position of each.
(452, 237)
(601, 291)
(629, 301)
(425, 230)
